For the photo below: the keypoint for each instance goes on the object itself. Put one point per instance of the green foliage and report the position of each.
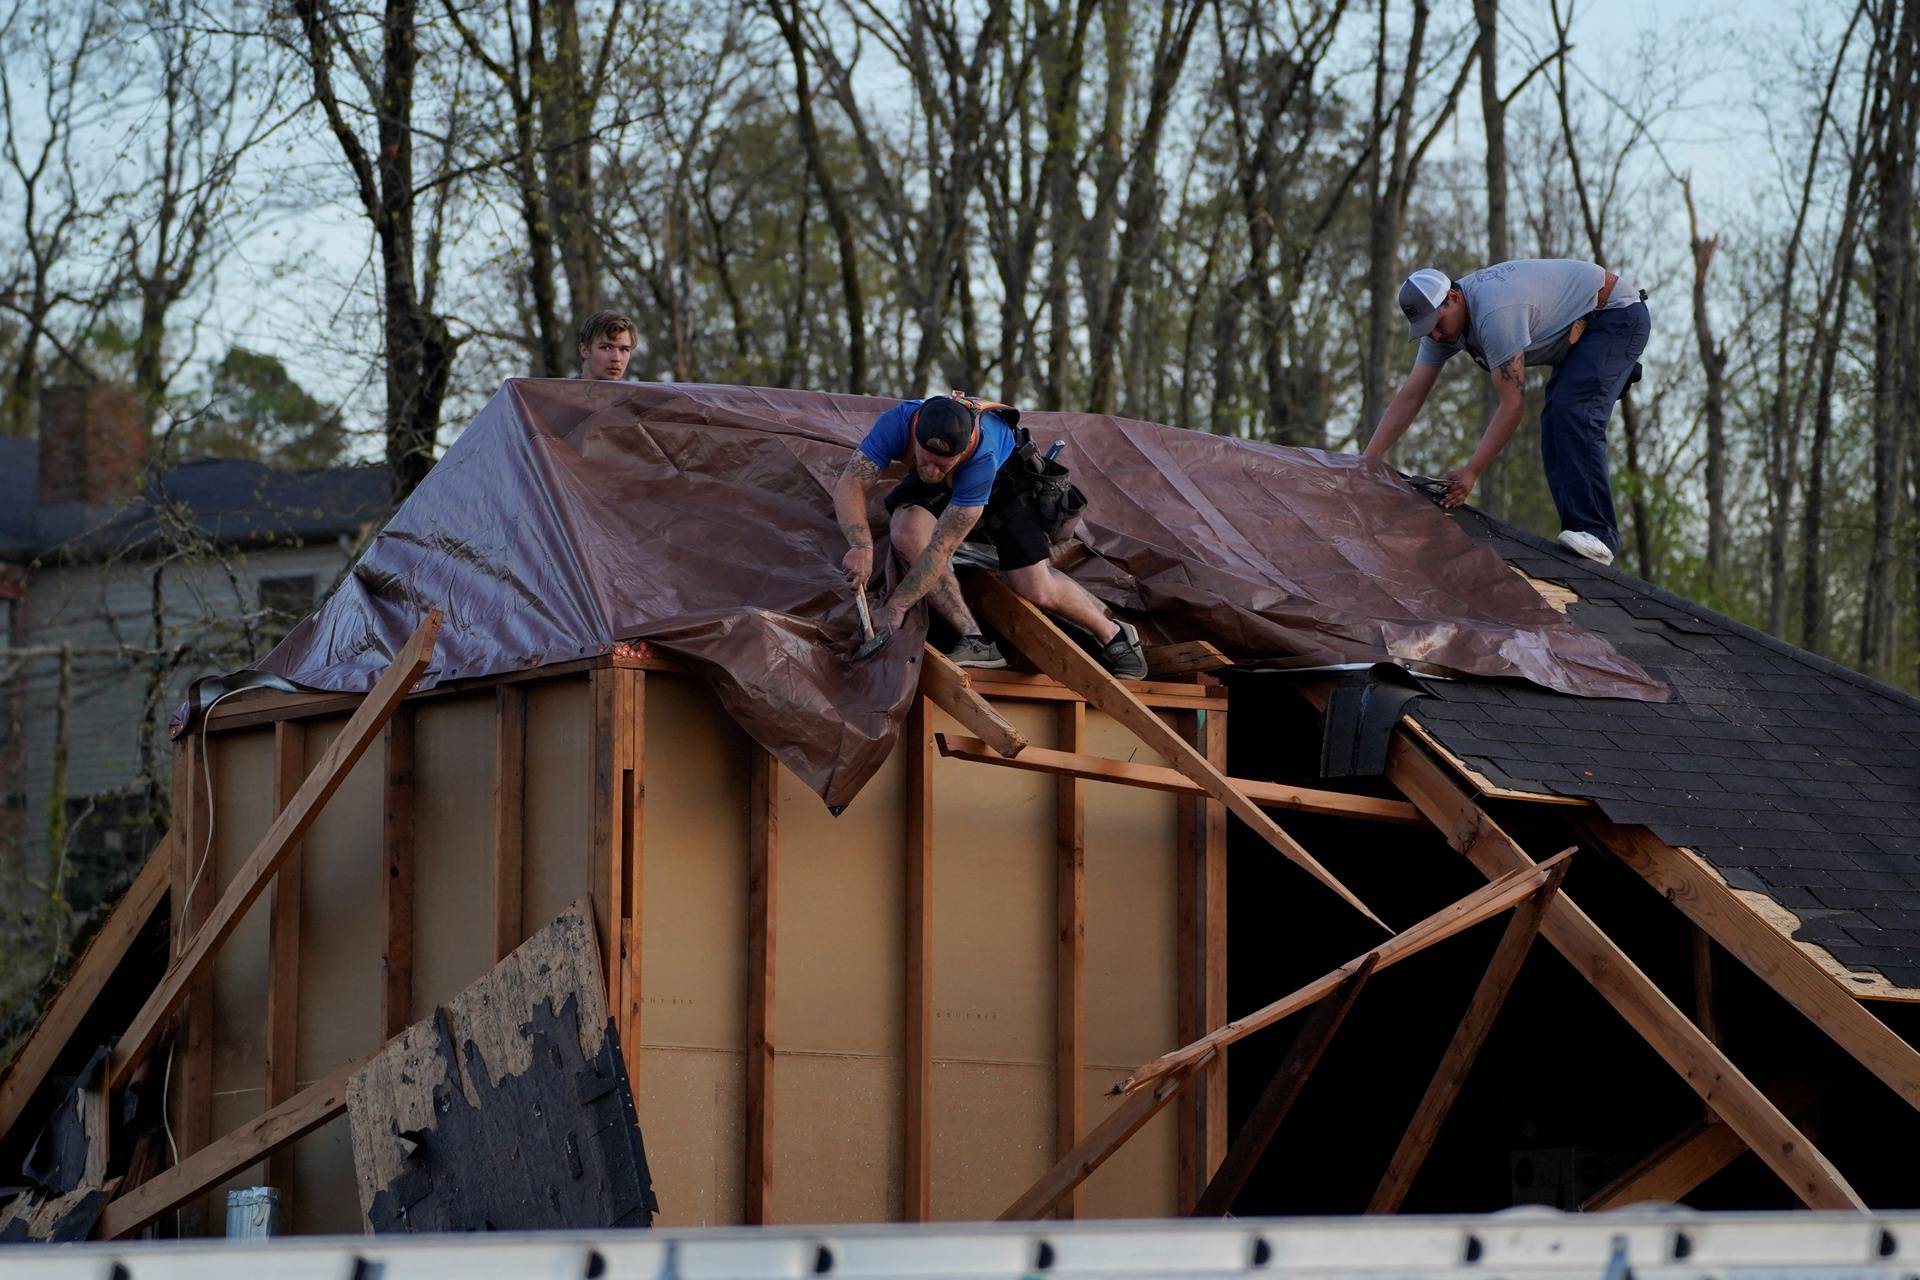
(249, 406)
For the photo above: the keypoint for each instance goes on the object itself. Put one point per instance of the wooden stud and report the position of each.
(201, 1171)
(397, 843)
(1271, 795)
(950, 689)
(55, 1030)
(1697, 1060)
(190, 1069)
(283, 945)
(1189, 1021)
(626, 994)
(614, 830)
(509, 815)
(1213, 917)
(1277, 1099)
(1689, 1158)
(1683, 879)
(1053, 652)
(915, 739)
(1482, 904)
(1069, 969)
(285, 833)
(763, 862)
(1074, 1168)
(1468, 1037)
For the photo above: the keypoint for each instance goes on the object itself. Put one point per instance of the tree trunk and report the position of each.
(1713, 368)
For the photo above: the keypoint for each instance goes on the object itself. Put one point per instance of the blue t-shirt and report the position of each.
(972, 481)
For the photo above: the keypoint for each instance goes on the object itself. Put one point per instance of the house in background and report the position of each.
(153, 578)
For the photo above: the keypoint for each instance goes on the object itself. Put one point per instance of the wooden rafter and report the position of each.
(1482, 904)
(1668, 1031)
(1461, 1051)
(949, 688)
(96, 966)
(281, 839)
(1690, 1157)
(1107, 1137)
(1705, 899)
(1282, 1091)
(1185, 658)
(1050, 649)
(1272, 795)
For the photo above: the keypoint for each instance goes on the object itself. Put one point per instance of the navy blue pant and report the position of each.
(1573, 425)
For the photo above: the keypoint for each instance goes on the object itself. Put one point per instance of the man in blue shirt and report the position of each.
(958, 487)
(1577, 317)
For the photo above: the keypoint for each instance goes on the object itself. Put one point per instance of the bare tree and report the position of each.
(1713, 367)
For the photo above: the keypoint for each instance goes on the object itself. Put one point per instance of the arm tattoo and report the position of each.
(955, 523)
(1515, 371)
(859, 473)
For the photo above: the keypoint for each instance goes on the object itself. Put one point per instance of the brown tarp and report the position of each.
(699, 519)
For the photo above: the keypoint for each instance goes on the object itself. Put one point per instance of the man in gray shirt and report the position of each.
(1580, 319)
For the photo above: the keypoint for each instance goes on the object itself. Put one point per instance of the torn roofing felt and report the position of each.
(571, 515)
(1792, 775)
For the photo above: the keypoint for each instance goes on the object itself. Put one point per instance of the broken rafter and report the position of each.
(1272, 795)
(1050, 649)
(1689, 1158)
(1461, 1051)
(1483, 903)
(1697, 1060)
(946, 685)
(281, 839)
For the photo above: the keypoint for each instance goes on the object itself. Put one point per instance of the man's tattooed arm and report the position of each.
(1510, 379)
(954, 525)
(850, 498)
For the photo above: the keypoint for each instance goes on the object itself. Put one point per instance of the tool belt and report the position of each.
(1041, 485)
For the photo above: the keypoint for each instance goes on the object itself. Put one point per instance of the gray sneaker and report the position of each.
(1123, 655)
(976, 651)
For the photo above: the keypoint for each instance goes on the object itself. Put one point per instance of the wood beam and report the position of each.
(1127, 773)
(509, 816)
(949, 688)
(1050, 649)
(1690, 1157)
(283, 942)
(1189, 997)
(1074, 1168)
(1069, 969)
(1213, 956)
(1464, 1048)
(628, 995)
(281, 838)
(1669, 1032)
(396, 899)
(200, 1172)
(190, 1068)
(613, 826)
(1687, 882)
(91, 973)
(916, 740)
(1185, 658)
(1482, 904)
(763, 861)
(1282, 1091)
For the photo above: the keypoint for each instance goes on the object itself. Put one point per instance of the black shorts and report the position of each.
(1010, 523)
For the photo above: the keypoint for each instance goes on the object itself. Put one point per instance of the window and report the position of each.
(284, 602)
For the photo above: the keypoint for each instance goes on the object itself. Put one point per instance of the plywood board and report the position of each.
(340, 974)
(452, 834)
(1130, 921)
(836, 1138)
(242, 768)
(993, 928)
(992, 1135)
(692, 1116)
(558, 754)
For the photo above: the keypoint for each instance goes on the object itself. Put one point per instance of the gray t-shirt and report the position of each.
(1526, 305)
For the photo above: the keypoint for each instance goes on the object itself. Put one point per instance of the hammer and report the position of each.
(875, 641)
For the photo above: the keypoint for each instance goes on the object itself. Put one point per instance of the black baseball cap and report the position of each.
(943, 426)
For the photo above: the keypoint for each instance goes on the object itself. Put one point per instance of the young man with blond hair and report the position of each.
(606, 344)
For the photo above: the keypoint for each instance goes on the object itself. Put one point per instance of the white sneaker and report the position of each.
(1585, 544)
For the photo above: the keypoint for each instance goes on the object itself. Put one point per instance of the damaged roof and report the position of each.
(1791, 774)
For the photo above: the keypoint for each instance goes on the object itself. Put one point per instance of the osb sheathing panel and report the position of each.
(837, 1149)
(342, 939)
(693, 953)
(452, 847)
(556, 867)
(1140, 1180)
(992, 1134)
(241, 766)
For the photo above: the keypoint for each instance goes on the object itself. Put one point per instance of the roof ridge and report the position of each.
(1819, 662)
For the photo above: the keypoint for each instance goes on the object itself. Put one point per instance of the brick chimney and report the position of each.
(93, 445)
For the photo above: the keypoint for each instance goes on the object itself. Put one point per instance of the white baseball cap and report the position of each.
(1420, 299)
